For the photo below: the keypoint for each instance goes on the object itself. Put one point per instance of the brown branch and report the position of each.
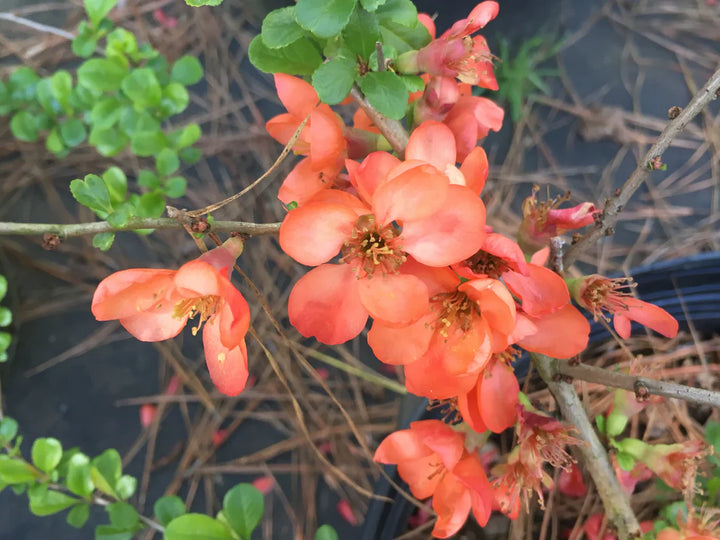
(80, 229)
(615, 204)
(593, 455)
(391, 129)
(639, 385)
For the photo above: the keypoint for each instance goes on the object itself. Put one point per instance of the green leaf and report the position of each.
(22, 83)
(243, 507)
(187, 71)
(78, 515)
(168, 508)
(105, 470)
(78, 476)
(23, 126)
(101, 75)
(97, 9)
(625, 461)
(175, 99)
(108, 142)
(404, 38)
(84, 45)
(121, 42)
(45, 502)
(199, 3)
(92, 192)
(123, 516)
(324, 18)
(326, 532)
(8, 427)
(151, 205)
(148, 179)
(107, 532)
(167, 162)
(196, 527)
(46, 454)
(401, 12)
(5, 316)
(186, 136)
(386, 92)
(600, 423)
(73, 132)
(61, 84)
(190, 155)
(371, 5)
(44, 95)
(413, 83)
(300, 58)
(175, 186)
(712, 433)
(15, 471)
(125, 487)
(334, 79)
(161, 67)
(280, 28)
(120, 216)
(5, 339)
(103, 241)
(116, 183)
(361, 33)
(147, 143)
(142, 87)
(132, 121)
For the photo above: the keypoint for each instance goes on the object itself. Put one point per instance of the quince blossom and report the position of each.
(156, 304)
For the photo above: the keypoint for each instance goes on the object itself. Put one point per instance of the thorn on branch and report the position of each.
(50, 241)
(674, 112)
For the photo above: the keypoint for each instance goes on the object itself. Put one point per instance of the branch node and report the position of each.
(674, 112)
(641, 391)
(609, 231)
(51, 242)
(199, 224)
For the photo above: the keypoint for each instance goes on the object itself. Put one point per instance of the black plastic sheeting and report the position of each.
(688, 288)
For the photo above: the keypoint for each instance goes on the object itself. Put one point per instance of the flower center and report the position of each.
(454, 308)
(371, 248)
(601, 293)
(487, 263)
(200, 305)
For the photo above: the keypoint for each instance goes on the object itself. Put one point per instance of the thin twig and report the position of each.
(593, 455)
(391, 129)
(637, 384)
(36, 25)
(80, 229)
(616, 203)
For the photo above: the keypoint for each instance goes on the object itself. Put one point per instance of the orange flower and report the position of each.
(432, 459)
(455, 53)
(155, 305)
(597, 294)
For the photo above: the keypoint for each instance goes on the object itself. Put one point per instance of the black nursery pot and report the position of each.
(688, 288)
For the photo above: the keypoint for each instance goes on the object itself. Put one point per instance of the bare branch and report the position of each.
(616, 203)
(393, 130)
(593, 455)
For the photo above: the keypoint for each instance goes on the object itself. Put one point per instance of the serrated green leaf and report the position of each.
(334, 79)
(196, 527)
(280, 28)
(105, 469)
(147, 143)
(97, 9)
(23, 126)
(187, 71)
(92, 192)
(402, 12)
(123, 516)
(47, 502)
(326, 532)
(73, 132)
(103, 241)
(413, 83)
(168, 508)
(361, 33)
(125, 487)
(386, 92)
(8, 428)
(175, 99)
(324, 18)
(175, 186)
(141, 86)
(150, 205)
(15, 471)
(101, 75)
(78, 479)
(116, 183)
(78, 515)
(46, 453)
(108, 142)
(404, 38)
(243, 508)
(5, 316)
(199, 3)
(300, 58)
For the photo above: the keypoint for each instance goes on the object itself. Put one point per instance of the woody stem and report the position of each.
(593, 455)
(80, 229)
(393, 130)
(639, 385)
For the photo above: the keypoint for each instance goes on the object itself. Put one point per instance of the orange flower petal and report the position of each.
(447, 443)
(372, 172)
(395, 299)
(432, 142)
(325, 303)
(304, 181)
(498, 393)
(228, 367)
(495, 301)
(415, 194)
(298, 96)
(327, 143)
(541, 290)
(469, 407)
(398, 346)
(400, 446)
(471, 473)
(197, 278)
(128, 292)
(421, 475)
(475, 169)
(452, 503)
(647, 314)
(561, 334)
(157, 324)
